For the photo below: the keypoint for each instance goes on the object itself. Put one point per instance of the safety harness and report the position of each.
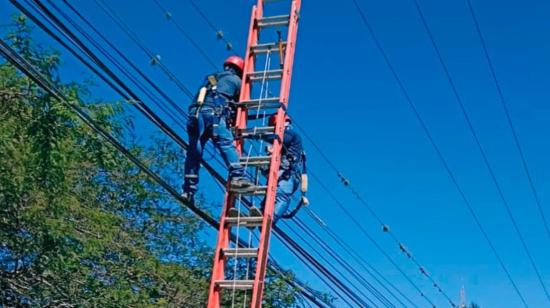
(303, 188)
(209, 91)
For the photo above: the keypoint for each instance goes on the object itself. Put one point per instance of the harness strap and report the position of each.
(296, 209)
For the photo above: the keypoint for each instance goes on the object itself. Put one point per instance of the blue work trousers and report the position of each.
(287, 186)
(209, 124)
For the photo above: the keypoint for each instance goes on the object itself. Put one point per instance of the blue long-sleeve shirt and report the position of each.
(293, 155)
(228, 85)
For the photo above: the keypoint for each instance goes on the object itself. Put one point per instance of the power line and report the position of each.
(334, 268)
(480, 147)
(359, 259)
(165, 97)
(286, 238)
(370, 209)
(147, 113)
(371, 239)
(436, 148)
(508, 117)
(184, 33)
(345, 264)
(43, 82)
(153, 57)
(128, 32)
(219, 33)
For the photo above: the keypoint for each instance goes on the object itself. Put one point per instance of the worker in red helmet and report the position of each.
(292, 171)
(208, 121)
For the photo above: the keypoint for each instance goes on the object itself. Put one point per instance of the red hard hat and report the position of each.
(235, 61)
(274, 117)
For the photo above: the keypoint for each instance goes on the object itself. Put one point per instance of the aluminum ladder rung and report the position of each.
(237, 284)
(245, 221)
(240, 252)
(261, 103)
(265, 75)
(255, 161)
(252, 191)
(255, 132)
(274, 21)
(265, 48)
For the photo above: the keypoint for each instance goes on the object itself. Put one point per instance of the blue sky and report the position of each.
(346, 98)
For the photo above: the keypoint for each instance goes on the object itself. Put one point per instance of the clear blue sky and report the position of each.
(346, 98)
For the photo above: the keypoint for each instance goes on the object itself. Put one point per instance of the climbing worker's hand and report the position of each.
(305, 200)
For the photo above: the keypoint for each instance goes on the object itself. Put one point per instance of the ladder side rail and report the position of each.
(256, 300)
(258, 287)
(224, 232)
(218, 269)
(249, 67)
(290, 49)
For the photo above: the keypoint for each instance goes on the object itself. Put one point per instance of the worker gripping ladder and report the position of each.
(230, 225)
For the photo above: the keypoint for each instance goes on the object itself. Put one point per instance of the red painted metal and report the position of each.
(218, 270)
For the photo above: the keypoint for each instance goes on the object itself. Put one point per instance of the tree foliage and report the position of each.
(79, 224)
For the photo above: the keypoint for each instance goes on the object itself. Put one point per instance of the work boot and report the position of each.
(241, 183)
(254, 212)
(188, 197)
(233, 212)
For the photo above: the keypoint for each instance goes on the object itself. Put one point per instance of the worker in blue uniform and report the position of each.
(208, 121)
(292, 172)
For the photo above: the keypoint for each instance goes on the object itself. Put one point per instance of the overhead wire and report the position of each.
(362, 263)
(385, 228)
(509, 120)
(360, 260)
(341, 176)
(480, 147)
(126, 73)
(440, 156)
(28, 70)
(219, 33)
(321, 256)
(217, 176)
(342, 262)
(184, 33)
(321, 268)
(372, 240)
(128, 31)
(165, 97)
(152, 56)
(358, 196)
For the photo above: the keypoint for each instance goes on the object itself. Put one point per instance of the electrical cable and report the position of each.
(326, 158)
(184, 33)
(219, 33)
(434, 145)
(480, 147)
(106, 69)
(508, 116)
(45, 84)
(343, 263)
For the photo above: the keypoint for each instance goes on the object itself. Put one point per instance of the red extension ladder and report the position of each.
(258, 71)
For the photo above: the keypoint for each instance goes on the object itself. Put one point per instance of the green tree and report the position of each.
(79, 224)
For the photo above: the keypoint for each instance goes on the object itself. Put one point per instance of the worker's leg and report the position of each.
(195, 131)
(224, 141)
(285, 189)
